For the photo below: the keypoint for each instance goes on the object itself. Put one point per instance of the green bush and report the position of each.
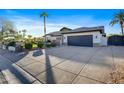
(13, 43)
(48, 45)
(110, 35)
(48, 41)
(28, 46)
(53, 44)
(40, 44)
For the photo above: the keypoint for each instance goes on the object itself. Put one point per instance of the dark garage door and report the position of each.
(83, 40)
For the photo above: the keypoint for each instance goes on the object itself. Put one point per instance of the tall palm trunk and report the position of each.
(121, 23)
(45, 29)
(2, 33)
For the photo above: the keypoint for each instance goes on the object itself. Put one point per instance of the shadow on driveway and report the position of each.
(49, 72)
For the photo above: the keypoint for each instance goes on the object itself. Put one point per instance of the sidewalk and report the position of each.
(14, 74)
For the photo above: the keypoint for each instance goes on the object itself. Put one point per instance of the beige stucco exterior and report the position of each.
(57, 39)
(98, 39)
(96, 36)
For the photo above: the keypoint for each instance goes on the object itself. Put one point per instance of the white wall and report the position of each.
(50, 38)
(96, 36)
(104, 41)
(57, 39)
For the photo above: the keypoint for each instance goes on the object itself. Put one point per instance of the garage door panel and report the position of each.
(83, 40)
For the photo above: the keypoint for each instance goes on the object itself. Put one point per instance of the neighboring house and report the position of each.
(84, 36)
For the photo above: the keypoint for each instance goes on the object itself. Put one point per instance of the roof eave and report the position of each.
(100, 30)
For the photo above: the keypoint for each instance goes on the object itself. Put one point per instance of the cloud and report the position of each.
(35, 26)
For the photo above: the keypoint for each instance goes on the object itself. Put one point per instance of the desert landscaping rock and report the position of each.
(2, 78)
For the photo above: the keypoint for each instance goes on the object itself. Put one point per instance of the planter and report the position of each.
(11, 48)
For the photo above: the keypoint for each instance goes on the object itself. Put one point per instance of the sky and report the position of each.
(30, 19)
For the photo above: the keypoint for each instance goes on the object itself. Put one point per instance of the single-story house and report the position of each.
(83, 36)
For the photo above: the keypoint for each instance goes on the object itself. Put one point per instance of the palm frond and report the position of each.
(117, 18)
(44, 14)
(113, 22)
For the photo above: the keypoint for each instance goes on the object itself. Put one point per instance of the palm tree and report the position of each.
(44, 15)
(1, 34)
(118, 18)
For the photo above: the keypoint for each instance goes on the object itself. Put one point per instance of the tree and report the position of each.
(24, 32)
(118, 18)
(7, 28)
(44, 15)
(29, 36)
(18, 37)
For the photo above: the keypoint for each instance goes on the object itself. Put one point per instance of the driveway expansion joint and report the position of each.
(85, 65)
(113, 58)
(56, 67)
(93, 79)
(68, 57)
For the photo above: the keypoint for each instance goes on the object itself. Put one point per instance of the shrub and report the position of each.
(28, 46)
(48, 45)
(48, 41)
(53, 44)
(40, 44)
(34, 46)
(13, 43)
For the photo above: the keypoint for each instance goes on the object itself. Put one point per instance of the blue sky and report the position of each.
(57, 18)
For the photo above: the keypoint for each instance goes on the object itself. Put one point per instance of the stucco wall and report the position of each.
(98, 39)
(50, 38)
(57, 39)
(96, 36)
(104, 41)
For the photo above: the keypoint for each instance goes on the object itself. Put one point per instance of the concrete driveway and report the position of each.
(69, 64)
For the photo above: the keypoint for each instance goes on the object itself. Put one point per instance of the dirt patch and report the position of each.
(2, 78)
(117, 76)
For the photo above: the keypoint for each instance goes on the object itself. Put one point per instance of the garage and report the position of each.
(82, 40)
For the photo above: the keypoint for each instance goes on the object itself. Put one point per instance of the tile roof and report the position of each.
(81, 29)
(87, 29)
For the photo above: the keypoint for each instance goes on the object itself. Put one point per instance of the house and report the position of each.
(83, 36)
(57, 36)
